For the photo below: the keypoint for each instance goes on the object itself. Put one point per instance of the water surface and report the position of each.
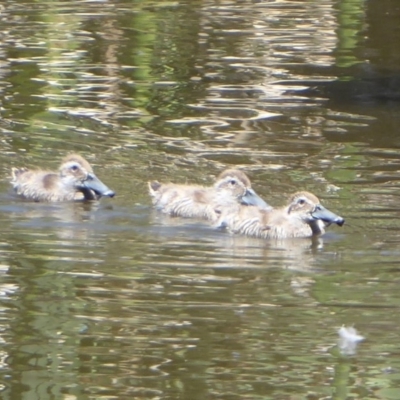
(112, 300)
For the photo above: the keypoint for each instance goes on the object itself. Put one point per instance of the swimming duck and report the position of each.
(193, 201)
(74, 180)
(304, 216)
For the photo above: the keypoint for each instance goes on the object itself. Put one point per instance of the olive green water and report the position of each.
(111, 300)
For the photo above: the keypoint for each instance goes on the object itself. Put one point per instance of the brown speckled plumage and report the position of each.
(75, 179)
(304, 216)
(194, 201)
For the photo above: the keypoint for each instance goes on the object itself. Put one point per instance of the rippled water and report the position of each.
(112, 300)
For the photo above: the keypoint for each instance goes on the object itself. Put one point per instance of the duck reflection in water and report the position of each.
(232, 187)
(74, 180)
(304, 216)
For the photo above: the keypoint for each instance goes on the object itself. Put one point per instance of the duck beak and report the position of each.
(93, 183)
(251, 198)
(327, 216)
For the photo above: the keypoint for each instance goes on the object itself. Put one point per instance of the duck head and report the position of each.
(75, 171)
(308, 208)
(238, 185)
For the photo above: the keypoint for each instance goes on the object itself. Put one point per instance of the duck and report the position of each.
(303, 216)
(75, 180)
(231, 187)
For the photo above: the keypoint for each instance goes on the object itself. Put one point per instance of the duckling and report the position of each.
(74, 180)
(193, 201)
(304, 216)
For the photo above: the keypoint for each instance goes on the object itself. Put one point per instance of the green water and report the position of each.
(112, 300)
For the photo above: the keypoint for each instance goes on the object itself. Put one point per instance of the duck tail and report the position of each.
(154, 187)
(17, 172)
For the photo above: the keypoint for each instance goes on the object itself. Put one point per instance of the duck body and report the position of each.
(304, 216)
(74, 180)
(232, 187)
(188, 201)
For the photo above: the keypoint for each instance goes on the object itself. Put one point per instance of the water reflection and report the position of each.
(68, 220)
(109, 300)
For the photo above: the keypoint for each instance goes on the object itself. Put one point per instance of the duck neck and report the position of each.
(317, 226)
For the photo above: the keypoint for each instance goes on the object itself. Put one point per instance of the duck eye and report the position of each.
(301, 201)
(232, 182)
(74, 168)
